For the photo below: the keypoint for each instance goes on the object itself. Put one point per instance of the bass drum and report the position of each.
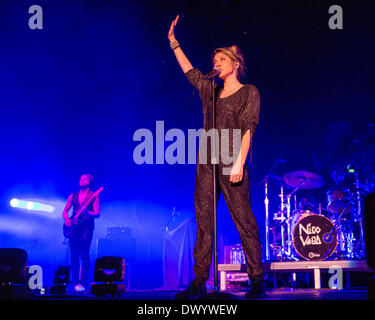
(314, 236)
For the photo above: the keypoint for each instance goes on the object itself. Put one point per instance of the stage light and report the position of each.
(109, 275)
(109, 269)
(62, 275)
(62, 278)
(31, 205)
(14, 203)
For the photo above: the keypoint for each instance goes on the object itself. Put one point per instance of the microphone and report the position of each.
(215, 71)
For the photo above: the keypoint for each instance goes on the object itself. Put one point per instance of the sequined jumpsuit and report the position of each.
(237, 111)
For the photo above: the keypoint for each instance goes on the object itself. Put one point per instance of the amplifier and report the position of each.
(118, 232)
(118, 247)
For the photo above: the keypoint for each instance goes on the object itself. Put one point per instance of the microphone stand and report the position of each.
(216, 295)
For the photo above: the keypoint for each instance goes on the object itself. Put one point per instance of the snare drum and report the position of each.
(314, 236)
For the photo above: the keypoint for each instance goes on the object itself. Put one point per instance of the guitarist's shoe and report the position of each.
(79, 288)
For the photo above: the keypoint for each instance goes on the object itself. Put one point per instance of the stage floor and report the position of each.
(275, 294)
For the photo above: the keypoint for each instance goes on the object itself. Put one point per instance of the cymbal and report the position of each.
(303, 180)
(275, 179)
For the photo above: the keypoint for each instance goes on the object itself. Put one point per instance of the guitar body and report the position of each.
(68, 230)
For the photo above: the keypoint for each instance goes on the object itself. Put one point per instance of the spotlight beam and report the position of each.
(31, 205)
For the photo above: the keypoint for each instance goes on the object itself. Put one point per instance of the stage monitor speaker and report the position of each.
(62, 275)
(109, 269)
(369, 228)
(13, 266)
(103, 289)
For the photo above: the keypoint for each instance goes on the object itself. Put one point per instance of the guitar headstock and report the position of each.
(98, 191)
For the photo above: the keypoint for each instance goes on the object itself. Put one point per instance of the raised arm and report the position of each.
(180, 55)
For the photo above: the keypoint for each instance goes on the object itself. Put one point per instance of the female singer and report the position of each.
(237, 107)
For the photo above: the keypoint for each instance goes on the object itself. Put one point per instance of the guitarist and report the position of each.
(80, 239)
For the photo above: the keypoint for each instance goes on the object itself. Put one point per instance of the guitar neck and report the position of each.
(83, 207)
(87, 202)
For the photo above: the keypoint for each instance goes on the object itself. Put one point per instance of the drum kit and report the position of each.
(306, 230)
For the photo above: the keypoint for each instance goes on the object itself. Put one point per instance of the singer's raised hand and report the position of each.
(181, 57)
(171, 36)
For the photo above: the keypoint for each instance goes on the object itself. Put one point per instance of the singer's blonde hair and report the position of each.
(235, 54)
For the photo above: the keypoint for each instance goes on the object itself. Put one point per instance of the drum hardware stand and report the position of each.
(359, 215)
(283, 257)
(288, 251)
(285, 218)
(273, 246)
(320, 209)
(266, 206)
(289, 254)
(337, 226)
(288, 218)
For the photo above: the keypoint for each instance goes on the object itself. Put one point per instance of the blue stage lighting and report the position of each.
(31, 205)
(14, 203)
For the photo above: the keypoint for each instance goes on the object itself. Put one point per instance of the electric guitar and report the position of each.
(68, 230)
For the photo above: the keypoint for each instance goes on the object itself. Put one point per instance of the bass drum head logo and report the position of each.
(314, 237)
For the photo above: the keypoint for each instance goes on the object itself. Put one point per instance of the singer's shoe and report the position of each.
(194, 291)
(256, 289)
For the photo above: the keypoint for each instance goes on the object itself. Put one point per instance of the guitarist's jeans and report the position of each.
(79, 243)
